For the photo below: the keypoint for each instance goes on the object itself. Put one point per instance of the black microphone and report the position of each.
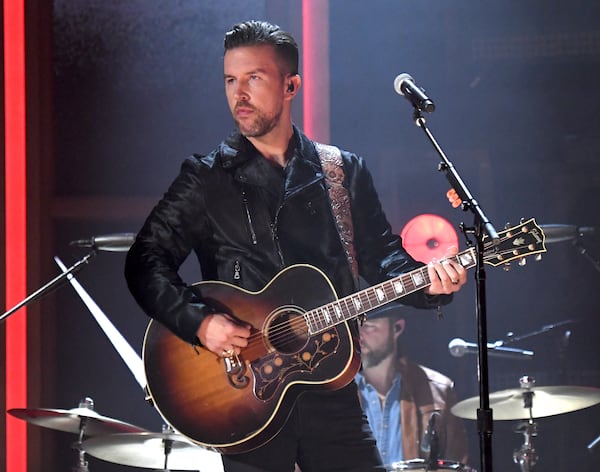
(429, 433)
(556, 233)
(405, 85)
(459, 347)
(117, 242)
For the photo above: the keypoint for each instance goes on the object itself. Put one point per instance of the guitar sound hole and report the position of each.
(287, 331)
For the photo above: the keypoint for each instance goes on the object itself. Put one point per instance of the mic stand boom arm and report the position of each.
(482, 227)
(39, 293)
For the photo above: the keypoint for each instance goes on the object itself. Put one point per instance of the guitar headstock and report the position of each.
(516, 242)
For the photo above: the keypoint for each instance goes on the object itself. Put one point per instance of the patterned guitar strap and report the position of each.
(331, 162)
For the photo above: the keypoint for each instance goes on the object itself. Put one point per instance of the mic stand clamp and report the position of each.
(482, 227)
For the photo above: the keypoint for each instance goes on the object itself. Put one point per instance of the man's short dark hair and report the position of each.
(256, 33)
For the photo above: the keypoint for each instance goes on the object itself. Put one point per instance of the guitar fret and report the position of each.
(325, 312)
(308, 317)
(347, 308)
(418, 279)
(467, 259)
(367, 302)
(370, 298)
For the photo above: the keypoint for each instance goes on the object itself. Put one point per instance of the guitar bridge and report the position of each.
(235, 370)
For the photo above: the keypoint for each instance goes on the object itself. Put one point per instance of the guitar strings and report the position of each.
(299, 325)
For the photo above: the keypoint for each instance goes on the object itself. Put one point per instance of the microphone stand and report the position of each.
(511, 339)
(584, 252)
(482, 227)
(39, 293)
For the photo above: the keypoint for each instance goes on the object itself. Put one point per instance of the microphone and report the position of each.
(117, 242)
(405, 85)
(556, 233)
(429, 433)
(459, 347)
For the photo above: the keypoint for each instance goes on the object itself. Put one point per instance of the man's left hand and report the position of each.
(447, 276)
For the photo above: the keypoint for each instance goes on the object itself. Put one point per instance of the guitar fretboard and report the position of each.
(324, 317)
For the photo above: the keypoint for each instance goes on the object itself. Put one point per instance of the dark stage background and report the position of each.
(137, 86)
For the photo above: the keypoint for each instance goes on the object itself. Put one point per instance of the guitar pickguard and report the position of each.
(276, 369)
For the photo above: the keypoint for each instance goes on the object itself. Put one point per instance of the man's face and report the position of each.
(378, 338)
(255, 90)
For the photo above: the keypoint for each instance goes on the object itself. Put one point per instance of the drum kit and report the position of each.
(524, 404)
(121, 443)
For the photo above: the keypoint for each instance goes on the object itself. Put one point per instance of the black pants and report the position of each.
(326, 431)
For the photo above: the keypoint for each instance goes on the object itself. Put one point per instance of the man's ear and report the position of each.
(399, 325)
(293, 83)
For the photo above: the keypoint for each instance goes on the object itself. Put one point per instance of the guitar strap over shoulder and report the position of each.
(332, 164)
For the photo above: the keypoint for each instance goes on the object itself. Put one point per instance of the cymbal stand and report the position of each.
(82, 464)
(168, 445)
(526, 456)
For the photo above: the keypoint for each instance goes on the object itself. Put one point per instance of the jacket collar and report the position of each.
(238, 154)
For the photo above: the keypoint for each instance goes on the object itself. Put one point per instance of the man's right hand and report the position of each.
(220, 334)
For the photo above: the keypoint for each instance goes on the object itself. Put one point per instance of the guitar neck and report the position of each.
(324, 317)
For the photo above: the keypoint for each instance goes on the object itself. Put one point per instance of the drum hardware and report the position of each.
(421, 465)
(526, 456)
(430, 443)
(547, 401)
(527, 403)
(83, 421)
(159, 451)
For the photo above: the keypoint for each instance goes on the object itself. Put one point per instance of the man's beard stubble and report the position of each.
(377, 354)
(260, 126)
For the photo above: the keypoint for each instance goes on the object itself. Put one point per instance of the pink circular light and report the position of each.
(428, 236)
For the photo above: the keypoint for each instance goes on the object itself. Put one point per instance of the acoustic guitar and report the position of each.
(300, 339)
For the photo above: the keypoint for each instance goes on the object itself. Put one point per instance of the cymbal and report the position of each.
(546, 401)
(70, 421)
(147, 450)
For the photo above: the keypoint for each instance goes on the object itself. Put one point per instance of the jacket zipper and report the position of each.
(248, 217)
(236, 270)
(274, 226)
(276, 236)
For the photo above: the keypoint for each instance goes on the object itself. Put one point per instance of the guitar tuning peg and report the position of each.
(538, 258)
(507, 225)
(506, 267)
(522, 220)
(522, 262)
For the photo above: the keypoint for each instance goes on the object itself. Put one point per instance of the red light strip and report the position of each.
(315, 68)
(15, 224)
(308, 67)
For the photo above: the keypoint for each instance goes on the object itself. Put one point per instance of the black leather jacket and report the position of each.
(245, 224)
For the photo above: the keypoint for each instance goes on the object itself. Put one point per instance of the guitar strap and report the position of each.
(331, 162)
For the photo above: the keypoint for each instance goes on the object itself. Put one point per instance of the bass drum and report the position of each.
(420, 465)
